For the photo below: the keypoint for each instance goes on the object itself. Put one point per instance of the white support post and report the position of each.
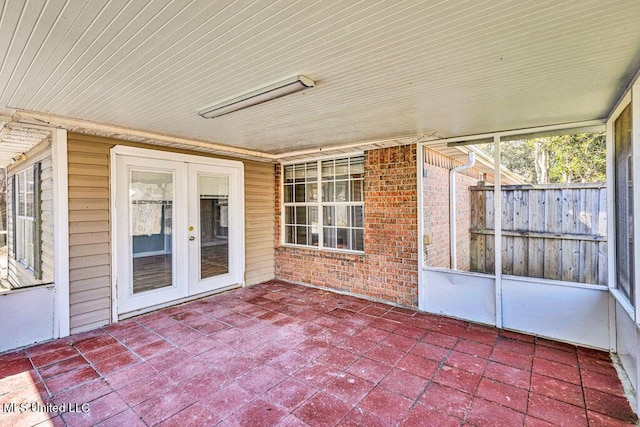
(611, 233)
(421, 258)
(61, 231)
(497, 226)
(635, 143)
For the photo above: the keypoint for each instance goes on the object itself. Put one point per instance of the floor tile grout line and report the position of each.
(102, 377)
(530, 385)
(430, 381)
(44, 382)
(49, 394)
(473, 395)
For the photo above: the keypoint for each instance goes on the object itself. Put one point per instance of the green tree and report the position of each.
(579, 158)
(557, 159)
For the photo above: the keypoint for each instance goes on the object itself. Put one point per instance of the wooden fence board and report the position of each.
(489, 220)
(556, 232)
(481, 244)
(536, 224)
(602, 213)
(520, 254)
(507, 224)
(603, 264)
(477, 262)
(553, 221)
(568, 258)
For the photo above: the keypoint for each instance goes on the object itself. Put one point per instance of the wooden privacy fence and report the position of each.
(551, 231)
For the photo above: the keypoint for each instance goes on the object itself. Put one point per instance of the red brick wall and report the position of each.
(388, 270)
(436, 216)
(436, 210)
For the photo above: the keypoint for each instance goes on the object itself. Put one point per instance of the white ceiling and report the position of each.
(16, 140)
(383, 69)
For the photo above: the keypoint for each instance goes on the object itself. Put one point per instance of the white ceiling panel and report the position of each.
(17, 140)
(383, 69)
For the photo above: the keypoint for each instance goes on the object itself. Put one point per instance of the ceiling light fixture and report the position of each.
(267, 93)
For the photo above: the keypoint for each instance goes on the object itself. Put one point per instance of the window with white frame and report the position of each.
(26, 239)
(324, 204)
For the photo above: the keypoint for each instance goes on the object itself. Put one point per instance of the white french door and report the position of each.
(178, 227)
(215, 231)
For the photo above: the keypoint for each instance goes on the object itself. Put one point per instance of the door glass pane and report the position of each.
(214, 225)
(150, 205)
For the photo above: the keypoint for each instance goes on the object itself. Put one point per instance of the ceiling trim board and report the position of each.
(83, 126)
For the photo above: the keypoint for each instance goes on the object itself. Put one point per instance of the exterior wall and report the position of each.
(18, 276)
(89, 226)
(388, 270)
(436, 210)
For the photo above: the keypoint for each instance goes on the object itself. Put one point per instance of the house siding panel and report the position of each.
(259, 218)
(388, 270)
(88, 239)
(90, 234)
(46, 212)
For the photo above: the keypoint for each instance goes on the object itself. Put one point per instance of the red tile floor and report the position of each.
(287, 355)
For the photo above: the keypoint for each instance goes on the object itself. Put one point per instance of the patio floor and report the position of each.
(282, 354)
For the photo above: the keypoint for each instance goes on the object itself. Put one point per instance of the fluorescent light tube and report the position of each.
(276, 90)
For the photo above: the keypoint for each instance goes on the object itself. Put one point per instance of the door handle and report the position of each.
(192, 238)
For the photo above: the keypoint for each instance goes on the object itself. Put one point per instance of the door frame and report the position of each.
(146, 153)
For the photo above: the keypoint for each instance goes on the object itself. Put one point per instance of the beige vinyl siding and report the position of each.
(89, 226)
(46, 209)
(89, 234)
(259, 219)
(17, 275)
(11, 273)
(12, 268)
